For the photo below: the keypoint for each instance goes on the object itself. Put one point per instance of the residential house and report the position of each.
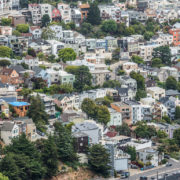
(18, 19)
(4, 108)
(175, 32)
(46, 9)
(115, 118)
(56, 46)
(9, 130)
(149, 155)
(171, 92)
(40, 45)
(72, 116)
(167, 71)
(167, 128)
(10, 76)
(146, 51)
(57, 30)
(65, 12)
(156, 92)
(91, 128)
(35, 10)
(66, 101)
(169, 103)
(31, 61)
(6, 30)
(81, 142)
(27, 126)
(84, 9)
(119, 160)
(76, 16)
(100, 76)
(8, 92)
(128, 67)
(56, 15)
(126, 93)
(20, 108)
(36, 31)
(48, 104)
(128, 81)
(125, 111)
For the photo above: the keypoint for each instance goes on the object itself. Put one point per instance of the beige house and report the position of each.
(6, 30)
(128, 67)
(99, 77)
(156, 92)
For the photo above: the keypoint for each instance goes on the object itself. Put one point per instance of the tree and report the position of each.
(48, 33)
(89, 107)
(140, 80)
(131, 151)
(39, 83)
(64, 143)
(37, 113)
(22, 28)
(67, 54)
(166, 119)
(16, 33)
(45, 20)
(161, 134)
(148, 35)
(111, 84)
(177, 113)
(94, 15)
(5, 21)
(171, 83)
(103, 115)
(163, 53)
(82, 77)
(123, 130)
(2, 177)
(25, 92)
(86, 28)
(99, 159)
(23, 3)
(176, 136)
(41, 56)
(140, 94)
(5, 51)
(137, 59)
(49, 157)
(31, 52)
(145, 131)
(109, 26)
(22, 160)
(4, 63)
(156, 62)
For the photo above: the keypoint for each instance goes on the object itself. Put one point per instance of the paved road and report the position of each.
(161, 171)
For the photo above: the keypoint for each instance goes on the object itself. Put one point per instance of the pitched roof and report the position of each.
(26, 34)
(111, 134)
(84, 6)
(29, 57)
(34, 28)
(18, 68)
(6, 71)
(7, 126)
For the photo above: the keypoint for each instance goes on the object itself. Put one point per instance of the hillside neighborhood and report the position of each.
(90, 86)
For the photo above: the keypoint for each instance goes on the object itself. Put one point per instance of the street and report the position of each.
(161, 171)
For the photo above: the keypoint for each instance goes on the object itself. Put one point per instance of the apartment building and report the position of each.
(35, 10)
(46, 9)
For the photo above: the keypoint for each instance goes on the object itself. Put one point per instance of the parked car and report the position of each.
(125, 175)
(143, 178)
(166, 156)
(168, 164)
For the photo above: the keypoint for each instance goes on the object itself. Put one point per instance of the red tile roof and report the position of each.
(111, 134)
(28, 57)
(34, 28)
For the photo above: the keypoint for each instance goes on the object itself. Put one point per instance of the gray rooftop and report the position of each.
(7, 126)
